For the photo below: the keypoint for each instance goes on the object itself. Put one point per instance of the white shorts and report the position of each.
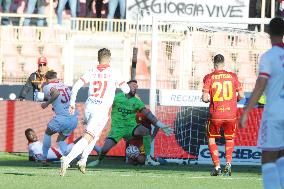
(63, 124)
(271, 135)
(96, 117)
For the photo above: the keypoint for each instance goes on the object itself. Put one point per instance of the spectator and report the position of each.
(280, 11)
(89, 8)
(112, 5)
(40, 10)
(36, 80)
(60, 8)
(5, 4)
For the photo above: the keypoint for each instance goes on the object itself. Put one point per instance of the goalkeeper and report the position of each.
(123, 122)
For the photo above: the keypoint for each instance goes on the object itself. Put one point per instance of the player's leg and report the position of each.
(67, 125)
(140, 130)
(213, 131)
(270, 140)
(51, 129)
(280, 167)
(229, 132)
(108, 144)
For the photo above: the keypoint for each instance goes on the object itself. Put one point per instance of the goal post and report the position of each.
(180, 58)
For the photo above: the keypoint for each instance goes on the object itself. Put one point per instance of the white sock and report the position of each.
(88, 150)
(62, 146)
(77, 149)
(280, 168)
(270, 176)
(46, 145)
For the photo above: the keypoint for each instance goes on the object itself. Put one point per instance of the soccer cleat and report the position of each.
(82, 166)
(216, 172)
(151, 162)
(228, 170)
(94, 163)
(64, 166)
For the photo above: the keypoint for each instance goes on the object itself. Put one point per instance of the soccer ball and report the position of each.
(132, 151)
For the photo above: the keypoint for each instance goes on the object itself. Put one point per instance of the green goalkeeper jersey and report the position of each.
(124, 110)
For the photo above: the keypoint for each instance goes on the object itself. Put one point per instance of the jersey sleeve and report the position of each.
(237, 83)
(264, 67)
(86, 77)
(206, 84)
(121, 83)
(46, 90)
(139, 104)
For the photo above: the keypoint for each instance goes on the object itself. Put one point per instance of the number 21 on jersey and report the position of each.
(224, 91)
(99, 88)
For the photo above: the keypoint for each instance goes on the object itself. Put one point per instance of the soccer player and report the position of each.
(271, 131)
(102, 84)
(123, 122)
(222, 86)
(35, 148)
(62, 123)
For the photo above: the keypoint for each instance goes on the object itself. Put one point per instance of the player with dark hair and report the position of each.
(35, 80)
(222, 86)
(103, 81)
(35, 148)
(271, 131)
(123, 121)
(62, 123)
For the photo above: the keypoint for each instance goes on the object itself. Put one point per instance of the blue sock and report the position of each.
(46, 145)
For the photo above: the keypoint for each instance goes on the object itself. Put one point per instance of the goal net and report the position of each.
(183, 59)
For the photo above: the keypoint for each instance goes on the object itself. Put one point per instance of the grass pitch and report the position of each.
(16, 172)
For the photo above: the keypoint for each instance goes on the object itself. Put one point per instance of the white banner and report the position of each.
(187, 9)
(181, 98)
(242, 155)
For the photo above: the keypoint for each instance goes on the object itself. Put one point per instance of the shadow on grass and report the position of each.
(117, 164)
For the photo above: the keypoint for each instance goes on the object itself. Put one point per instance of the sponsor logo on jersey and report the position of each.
(124, 112)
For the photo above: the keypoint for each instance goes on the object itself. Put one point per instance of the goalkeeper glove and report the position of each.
(166, 128)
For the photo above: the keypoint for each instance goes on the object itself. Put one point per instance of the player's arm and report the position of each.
(124, 87)
(80, 83)
(153, 119)
(258, 90)
(205, 97)
(54, 93)
(205, 91)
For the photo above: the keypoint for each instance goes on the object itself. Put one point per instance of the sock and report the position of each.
(229, 150)
(62, 146)
(280, 168)
(69, 148)
(88, 150)
(77, 149)
(213, 148)
(270, 176)
(147, 144)
(46, 145)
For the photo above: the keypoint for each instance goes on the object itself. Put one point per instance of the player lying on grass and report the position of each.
(123, 121)
(35, 148)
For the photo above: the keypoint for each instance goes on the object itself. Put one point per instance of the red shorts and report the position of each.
(214, 126)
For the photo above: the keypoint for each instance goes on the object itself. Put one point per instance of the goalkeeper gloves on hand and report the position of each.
(166, 128)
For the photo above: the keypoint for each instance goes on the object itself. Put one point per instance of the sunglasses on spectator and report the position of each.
(41, 64)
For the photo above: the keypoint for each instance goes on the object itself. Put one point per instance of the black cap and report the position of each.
(218, 59)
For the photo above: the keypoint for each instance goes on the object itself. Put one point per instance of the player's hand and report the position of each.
(44, 105)
(71, 110)
(167, 130)
(243, 120)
